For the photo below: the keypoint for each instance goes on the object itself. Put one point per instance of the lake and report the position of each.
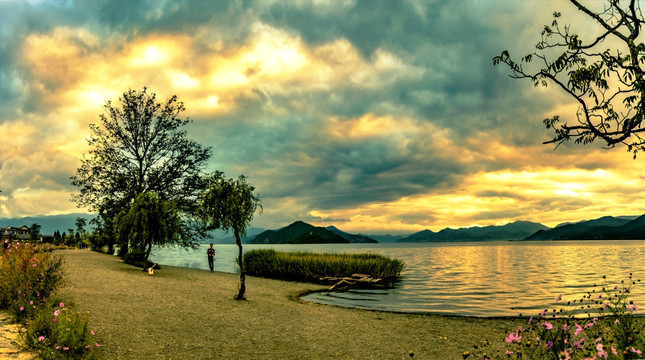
(489, 279)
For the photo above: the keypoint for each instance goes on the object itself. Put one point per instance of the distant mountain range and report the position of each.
(604, 228)
(48, 223)
(513, 231)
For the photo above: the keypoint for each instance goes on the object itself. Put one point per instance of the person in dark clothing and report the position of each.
(211, 256)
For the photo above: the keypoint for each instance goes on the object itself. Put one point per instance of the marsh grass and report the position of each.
(307, 266)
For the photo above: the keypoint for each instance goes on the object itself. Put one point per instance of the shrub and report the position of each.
(306, 266)
(55, 332)
(600, 325)
(28, 276)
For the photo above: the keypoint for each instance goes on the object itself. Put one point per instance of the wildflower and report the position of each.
(547, 325)
(549, 344)
(566, 355)
(530, 319)
(635, 351)
(509, 353)
(62, 305)
(92, 332)
(578, 329)
(54, 320)
(97, 344)
(543, 312)
(559, 298)
(31, 302)
(22, 308)
(56, 313)
(65, 348)
(513, 337)
(41, 338)
(613, 351)
(632, 308)
(565, 327)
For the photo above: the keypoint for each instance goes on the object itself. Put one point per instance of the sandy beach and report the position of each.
(182, 313)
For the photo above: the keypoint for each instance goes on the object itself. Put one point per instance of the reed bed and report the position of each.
(307, 266)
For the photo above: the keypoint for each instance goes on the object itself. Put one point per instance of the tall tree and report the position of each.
(80, 224)
(604, 73)
(148, 221)
(229, 204)
(34, 232)
(140, 146)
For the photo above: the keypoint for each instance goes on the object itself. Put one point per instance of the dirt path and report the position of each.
(9, 338)
(182, 313)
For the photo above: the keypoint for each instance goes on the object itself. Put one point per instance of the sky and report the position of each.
(373, 116)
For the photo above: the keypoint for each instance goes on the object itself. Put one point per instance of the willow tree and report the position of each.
(148, 221)
(603, 73)
(229, 204)
(140, 146)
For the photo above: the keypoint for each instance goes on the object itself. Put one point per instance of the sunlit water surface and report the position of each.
(469, 279)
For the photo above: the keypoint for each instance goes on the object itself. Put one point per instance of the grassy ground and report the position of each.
(184, 313)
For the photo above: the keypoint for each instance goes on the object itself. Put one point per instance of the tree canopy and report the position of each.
(229, 204)
(148, 221)
(603, 73)
(140, 147)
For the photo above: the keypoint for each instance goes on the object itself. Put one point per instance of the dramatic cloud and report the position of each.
(376, 116)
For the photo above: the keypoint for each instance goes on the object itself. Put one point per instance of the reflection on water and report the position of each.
(475, 279)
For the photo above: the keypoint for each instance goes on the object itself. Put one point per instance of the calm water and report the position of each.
(470, 279)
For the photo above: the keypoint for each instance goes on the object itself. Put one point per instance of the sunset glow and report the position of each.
(390, 120)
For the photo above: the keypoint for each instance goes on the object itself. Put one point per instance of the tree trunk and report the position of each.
(240, 294)
(146, 255)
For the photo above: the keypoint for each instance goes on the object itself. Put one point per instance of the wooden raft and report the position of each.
(343, 283)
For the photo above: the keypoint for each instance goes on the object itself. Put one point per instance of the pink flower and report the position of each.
(55, 320)
(613, 351)
(31, 303)
(549, 344)
(66, 348)
(62, 304)
(635, 351)
(513, 337)
(97, 344)
(56, 313)
(578, 329)
(565, 327)
(632, 308)
(542, 313)
(566, 355)
(509, 353)
(92, 332)
(547, 325)
(22, 308)
(559, 298)
(41, 338)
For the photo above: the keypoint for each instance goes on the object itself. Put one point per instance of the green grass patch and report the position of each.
(307, 266)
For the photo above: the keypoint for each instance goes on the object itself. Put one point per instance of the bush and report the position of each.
(601, 325)
(28, 276)
(306, 266)
(55, 332)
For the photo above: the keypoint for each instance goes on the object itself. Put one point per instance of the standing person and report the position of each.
(211, 256)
